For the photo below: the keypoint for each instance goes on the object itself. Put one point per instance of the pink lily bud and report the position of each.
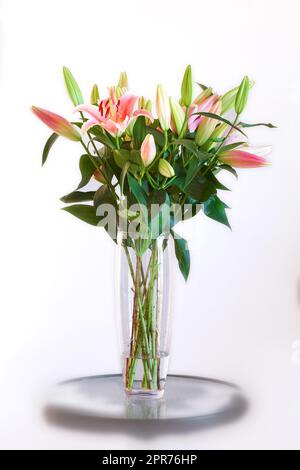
(207, 125)
(148, 149)
(57, 123)
(245, 157)
(163, 108)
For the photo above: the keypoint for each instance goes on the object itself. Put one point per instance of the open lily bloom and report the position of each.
(113, 114)
(246, 156)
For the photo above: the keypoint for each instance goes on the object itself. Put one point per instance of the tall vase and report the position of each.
(144, 312)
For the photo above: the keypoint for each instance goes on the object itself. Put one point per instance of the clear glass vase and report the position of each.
(144, 311)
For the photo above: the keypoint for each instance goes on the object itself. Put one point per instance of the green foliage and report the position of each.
(78, 196)
(184, 171)
(215, 209)
(137, 190)
(244, 124)
(87, 169)
(201, 188)
(222, 119)
(83, 212)
(182, 254)
(139, 132)
(103, 196)
(53, 137)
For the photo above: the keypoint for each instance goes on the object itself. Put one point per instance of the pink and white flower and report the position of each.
(148, 149)
(57, 123)
(245, 156)
(207, 105)
(113, 114)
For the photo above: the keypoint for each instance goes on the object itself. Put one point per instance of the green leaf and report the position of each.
(78, 196)
(220, 118)
(200, 189)
(192, 147)
(123, 174)
(101, 137)
(103, 195)
(232, 146)
(192, 172)
(187, 143)
(209, 175)
(53, 137)
(215, 209)
(203, 87)
(121, 156)
(244, 124)
(137, 190)
(87, 169)
(83, 212)
(72, 87)
(136, 160)
(139, 131)
(230, 169)
(159, 216)
(158, 136)
(182, 255)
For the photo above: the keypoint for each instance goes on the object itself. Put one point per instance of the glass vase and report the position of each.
(144, 311)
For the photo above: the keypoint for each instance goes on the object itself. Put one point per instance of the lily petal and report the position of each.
(91, 110)
(259, 151)
(143, 112)
(89, 124)
(126, 105)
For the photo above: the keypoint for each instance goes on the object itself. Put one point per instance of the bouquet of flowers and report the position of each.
(152, 170)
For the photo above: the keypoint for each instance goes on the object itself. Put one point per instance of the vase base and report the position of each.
(144, 394)
(185, 397)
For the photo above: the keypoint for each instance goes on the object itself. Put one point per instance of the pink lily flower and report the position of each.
(148, 149)
(113, 114)
(205, 106)
(245, 156)
(57, 123)
(207, 124)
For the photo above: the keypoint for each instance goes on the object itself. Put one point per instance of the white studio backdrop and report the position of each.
(237, 318)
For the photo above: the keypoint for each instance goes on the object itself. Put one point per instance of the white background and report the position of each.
(238, 316)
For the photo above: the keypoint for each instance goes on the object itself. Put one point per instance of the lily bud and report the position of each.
(148, 105)
(148, 149)
(163, 108)
(178, 115)
(95, 97)
(242, 96)
(142, 102)
(218, 133)
(207, 125)
(187, 87)
(165, 169)
(123, 80)
(228, 99)
(245, 157)
(203, 95)
(57, 123)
